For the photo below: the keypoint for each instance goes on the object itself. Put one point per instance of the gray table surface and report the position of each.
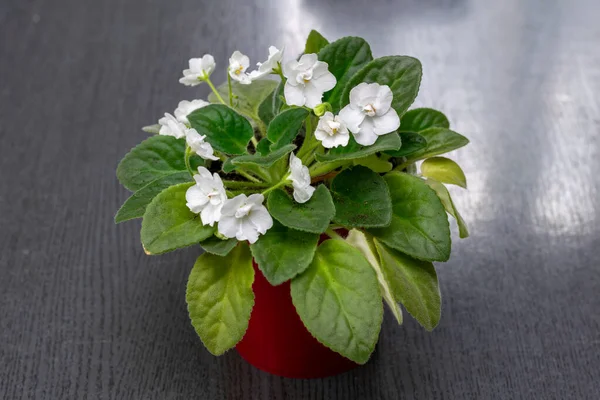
(86, 315)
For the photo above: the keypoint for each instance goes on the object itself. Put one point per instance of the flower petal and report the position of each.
(231, 205)
(261, 219)
(360, 94)
(228, 226)
(324, 82)
(352, 118)
(387, 123)
(313, 95)
(366, 136)
(384, 100)
(303, 193)
(294, 95)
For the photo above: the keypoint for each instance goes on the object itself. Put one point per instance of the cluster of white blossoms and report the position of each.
(178, 127)
(242, 217)
(368, 116)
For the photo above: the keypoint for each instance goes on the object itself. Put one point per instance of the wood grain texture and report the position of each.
(86, 315)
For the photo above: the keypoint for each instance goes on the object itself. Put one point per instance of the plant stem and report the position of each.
(188, 153)
(281, 183)
(243, 184)
(248, 176)
(279, 72)
(230, 91)
(332, 234)
(214, 89)
(254, 141)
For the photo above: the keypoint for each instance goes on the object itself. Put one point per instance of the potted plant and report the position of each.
(304, 193)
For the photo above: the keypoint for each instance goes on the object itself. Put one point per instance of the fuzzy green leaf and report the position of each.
(314, 42)
(339, 301)
(135, 205)
(282, 253)
(411, 142)
(419, 119)
(419, 225)
(374, 163)
(439, 141)
(271, 105)
(225, 129)
(264, 147)
(168, 224)
(361, 198)
(344, 57)
(444, 170)
(401, 73)
(220, 298)
(219, 247)
(263, 161)
(312, 216)
(154, 158)
(354, 150)
(248, 97)
(446, 199)
(414, 283)
(366, 246)
(283, 129)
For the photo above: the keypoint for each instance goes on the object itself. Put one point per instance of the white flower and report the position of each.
(307, 80)
(264, 69)
(169, 126)
(332, 131)
(245, 218)
(300, 178)
(185, 108)
(238, 64)
(200, 69)
(198, 145)
(370, 113)
(207, 196)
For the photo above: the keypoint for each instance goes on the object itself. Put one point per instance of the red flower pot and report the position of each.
(277, 341)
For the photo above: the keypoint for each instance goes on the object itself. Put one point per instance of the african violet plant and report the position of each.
(270, 167)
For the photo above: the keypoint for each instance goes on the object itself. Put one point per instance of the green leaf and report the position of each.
(168, 223)
(344, 57)
(361, 198)
(411, 142)
(401, 73)
(312, 216)
(249, 97)
(285, 126)
(263, 161)
(282, 253)
(264, 146)
(419, 225)
(374, 163)
(338, 300)
(366, 246)
(220, 298)
(439, 141)
(219, 247)
(354, 150)
(271, 105)
(226, 130)
(314, 42)
(444, 170)
(154, 158)
(135, 205)
(419, 119)
(446, 199)
(414, 283)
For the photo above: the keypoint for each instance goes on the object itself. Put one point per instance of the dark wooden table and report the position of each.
(86, 315)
